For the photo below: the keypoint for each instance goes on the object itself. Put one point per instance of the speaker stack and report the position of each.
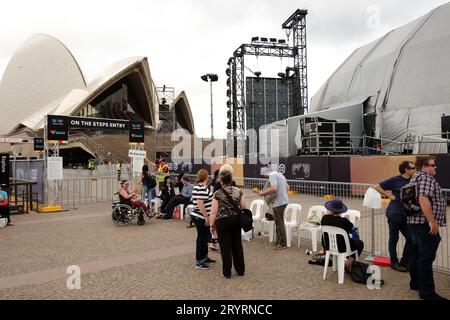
(327, 137)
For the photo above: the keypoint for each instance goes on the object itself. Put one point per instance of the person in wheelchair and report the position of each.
(130, 198)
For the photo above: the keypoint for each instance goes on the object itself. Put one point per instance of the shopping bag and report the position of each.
(372, 199)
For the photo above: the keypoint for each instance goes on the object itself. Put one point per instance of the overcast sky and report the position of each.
(184, 39)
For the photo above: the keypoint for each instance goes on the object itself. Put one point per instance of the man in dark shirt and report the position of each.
(395, 214)
(335, 208)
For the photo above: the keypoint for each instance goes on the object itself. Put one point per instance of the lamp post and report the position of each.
(211, 77)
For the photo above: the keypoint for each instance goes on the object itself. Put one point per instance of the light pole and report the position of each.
(211, 77)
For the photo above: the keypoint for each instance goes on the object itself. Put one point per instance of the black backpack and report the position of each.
(409, 197)
(150, 181)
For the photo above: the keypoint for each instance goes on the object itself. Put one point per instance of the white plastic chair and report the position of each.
(256, 207)
(189, 209)
(154, 205)
(354, 216)
(311, 228)
(270, 227)
(291, 220)
(338, 257)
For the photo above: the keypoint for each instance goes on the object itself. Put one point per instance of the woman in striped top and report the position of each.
(202, 198)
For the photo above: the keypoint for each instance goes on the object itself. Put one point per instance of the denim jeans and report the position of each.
(147, 192)
(397, 223)
(203, 236)
(423, 252)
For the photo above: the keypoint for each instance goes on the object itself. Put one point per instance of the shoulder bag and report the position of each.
(245, 215)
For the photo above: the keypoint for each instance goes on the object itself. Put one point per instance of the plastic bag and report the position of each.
(372, 199)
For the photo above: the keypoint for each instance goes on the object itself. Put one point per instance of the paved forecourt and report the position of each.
(156, 261)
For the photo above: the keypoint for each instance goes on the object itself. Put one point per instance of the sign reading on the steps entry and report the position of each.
(97, 123)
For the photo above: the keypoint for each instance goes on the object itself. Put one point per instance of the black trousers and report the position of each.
(229, 235)
(422, 255)
(176, 200)
(203, 236)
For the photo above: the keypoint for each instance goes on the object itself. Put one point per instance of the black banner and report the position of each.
(4, 170)
(307, 168)
(136, 130)
(57, 129)
(38, 144)
(97, 123)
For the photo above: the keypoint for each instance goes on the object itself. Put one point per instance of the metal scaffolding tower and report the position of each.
(295, 24)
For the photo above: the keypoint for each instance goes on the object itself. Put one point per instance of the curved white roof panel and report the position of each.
(41, 71)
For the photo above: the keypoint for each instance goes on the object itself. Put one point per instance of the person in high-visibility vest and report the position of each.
(163, 171)
(91, 166)
(119, 170)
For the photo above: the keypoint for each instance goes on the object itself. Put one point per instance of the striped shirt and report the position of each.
(201, 192)
(428, 186)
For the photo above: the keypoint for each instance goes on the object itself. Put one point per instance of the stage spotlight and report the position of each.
(257, 73)
(264, 40)
(228, 72)
(255, 39)
(273, 40)
(281, 41)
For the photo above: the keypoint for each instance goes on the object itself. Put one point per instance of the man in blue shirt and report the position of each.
(395, 214)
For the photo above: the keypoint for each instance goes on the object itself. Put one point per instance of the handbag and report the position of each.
(245, 215)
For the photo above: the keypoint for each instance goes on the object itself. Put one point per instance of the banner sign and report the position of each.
(136, 131)
(137, 153)
(38, 144)
(55, 168)
(4, 170)
(57, 129)
(97, 123)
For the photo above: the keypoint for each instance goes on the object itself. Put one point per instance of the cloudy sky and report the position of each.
(184, 39)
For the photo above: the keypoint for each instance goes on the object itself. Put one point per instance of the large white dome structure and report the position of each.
(402, 79)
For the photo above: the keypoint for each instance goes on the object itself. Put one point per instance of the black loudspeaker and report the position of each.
(342, 141)
(320, 143)
(320, 127)
(342, 127)
(445, 127)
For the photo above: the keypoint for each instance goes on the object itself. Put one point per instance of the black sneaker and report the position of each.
(406, 265)
(210, 261)
(203, 266)
(399, 267)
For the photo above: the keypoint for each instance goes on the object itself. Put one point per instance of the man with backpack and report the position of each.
(423, 227)
(395, 214)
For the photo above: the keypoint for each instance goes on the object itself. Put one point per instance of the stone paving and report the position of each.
(156, 261)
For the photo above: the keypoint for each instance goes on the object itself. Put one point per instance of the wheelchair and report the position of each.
(123, 214)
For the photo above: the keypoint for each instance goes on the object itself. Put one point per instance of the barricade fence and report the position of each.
(77, 191)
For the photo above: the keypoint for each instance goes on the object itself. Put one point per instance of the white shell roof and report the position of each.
(41, 71)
